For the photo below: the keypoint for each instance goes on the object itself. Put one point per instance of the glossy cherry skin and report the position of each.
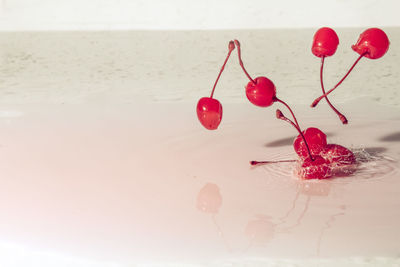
(209, 112)
(316, 141)
(319, 168)
(262, 93)
(374, 42)
(325, 42)
(338, 155)
(341, 160)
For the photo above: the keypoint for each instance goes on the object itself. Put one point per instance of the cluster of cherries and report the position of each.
(318, 159)
(373, 44)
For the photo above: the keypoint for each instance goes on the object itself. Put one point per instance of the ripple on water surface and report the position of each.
(370, 166)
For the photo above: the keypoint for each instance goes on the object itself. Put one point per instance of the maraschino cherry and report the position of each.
(261, 91)
(324, 45)
(317, 159)
(209, 112)
(318, 168)
(338, 155)
(310, 143)
(209, 109)
(316, 141)
(313, 166)
(325, 42)
(342, 160)
(373, 43)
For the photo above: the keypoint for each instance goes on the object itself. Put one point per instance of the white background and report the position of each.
(183, 14)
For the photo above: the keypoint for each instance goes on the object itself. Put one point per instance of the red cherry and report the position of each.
(316, 140)
(319, 168)
(373, 42)
(338, 155)
(342, 160)
(317, 159)
(209, 112)
(325, 42)
(262, 92)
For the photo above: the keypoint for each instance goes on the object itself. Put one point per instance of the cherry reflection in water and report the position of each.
(309, 189)
(313, 189)
(209, 200)
(261, 229)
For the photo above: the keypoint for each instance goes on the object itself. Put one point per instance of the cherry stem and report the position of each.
(231, 48)
(288, 107)
(255, 162)
(280, 116)
(341, 116)
(241, 62)
(316, 101)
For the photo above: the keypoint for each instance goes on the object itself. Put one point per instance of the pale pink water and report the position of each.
(96, 170)
(112, 186)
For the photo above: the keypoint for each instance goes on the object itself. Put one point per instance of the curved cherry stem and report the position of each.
(288, 107)
(321, 77)
(280, 116)
(241, 62)
(316, 101)
(255, 162)
(231, 48)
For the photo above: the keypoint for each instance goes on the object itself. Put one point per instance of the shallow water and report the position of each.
(106, 185)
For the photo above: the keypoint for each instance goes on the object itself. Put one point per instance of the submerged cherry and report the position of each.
(325, 42)
(342, 160)
(316, 141)
(373, 43)
(209, 110)
(318, 160)
(279, 115)
(338, 155)
(313, 166)
(318, 168)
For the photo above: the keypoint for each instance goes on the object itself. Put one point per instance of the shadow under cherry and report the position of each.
(393, 137)
(375, 151)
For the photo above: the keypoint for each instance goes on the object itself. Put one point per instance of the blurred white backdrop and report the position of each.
(184, 14)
